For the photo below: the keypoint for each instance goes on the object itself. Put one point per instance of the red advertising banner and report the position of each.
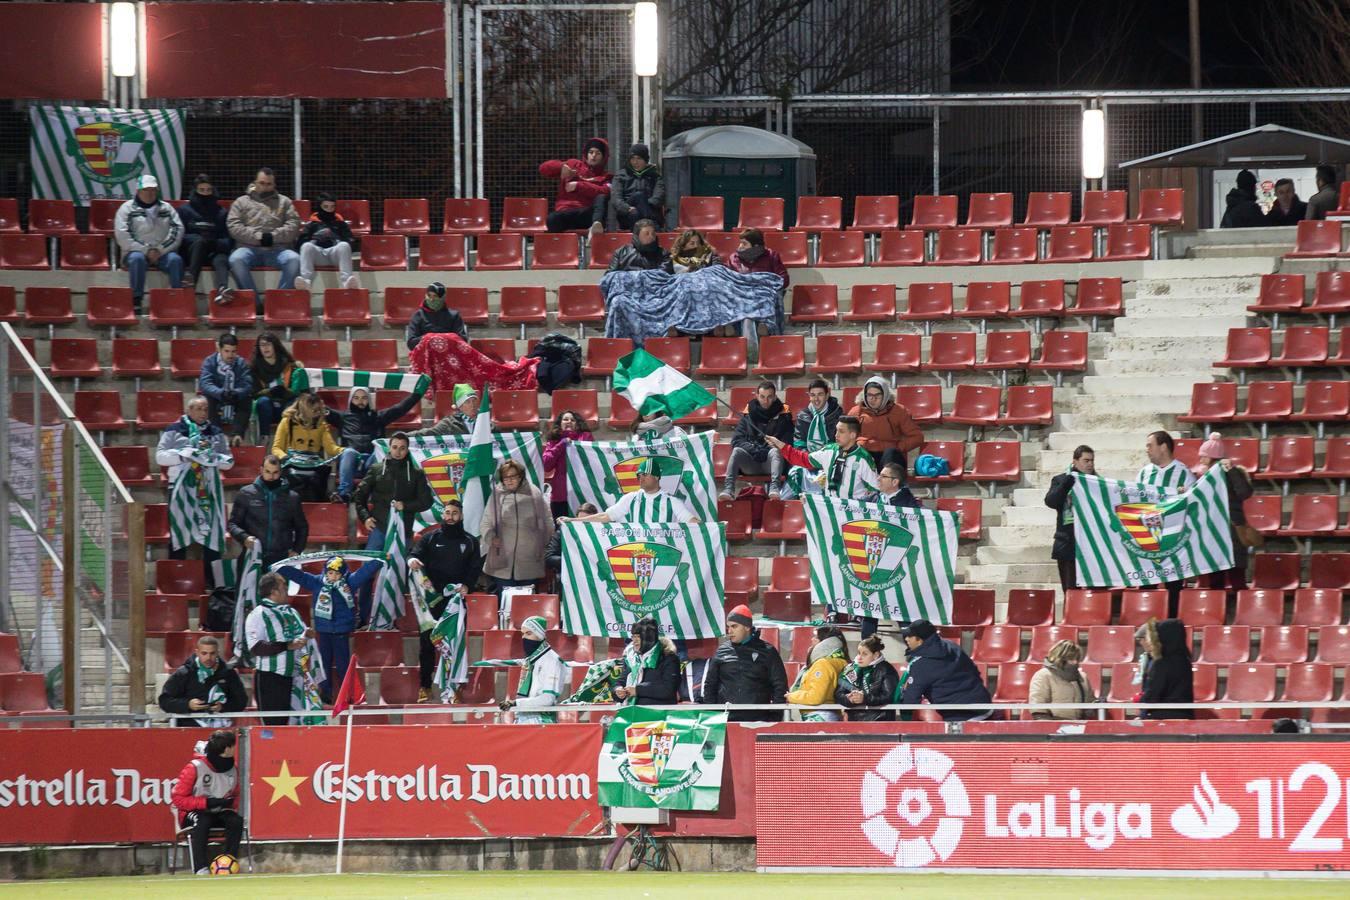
(90, 786)
(1217, 805)
(439, 781)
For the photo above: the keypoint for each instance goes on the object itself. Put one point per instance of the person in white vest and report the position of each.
(205, 796)
(544, 679)
(650, 503)
(275, 634)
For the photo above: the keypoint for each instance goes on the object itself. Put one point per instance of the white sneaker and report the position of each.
(724, 495)
(352, 282)
(302, 283)
(597, 229)
(224, 295)
(775, 494)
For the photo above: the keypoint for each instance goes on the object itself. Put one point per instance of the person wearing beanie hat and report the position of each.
(333, 606)
(543, 680)
(359, 428)
(1238, 481)
(651, 502)
(745, 669)
(639, 190)
(583, 189)
(653, 667)
(1243, 211)
(941, 672)
(149, 231)
(326, 239)
(433, 317)
(459, 420)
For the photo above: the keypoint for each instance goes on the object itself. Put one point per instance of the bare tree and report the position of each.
(1308, 45)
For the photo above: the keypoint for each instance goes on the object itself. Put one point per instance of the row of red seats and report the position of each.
(56, 218)
(1216, 403)
(1312, 515)
(1283, 293)
(1317, 238)
(1305, 346)
(1287, 458)
(24, 693)
(933, 301)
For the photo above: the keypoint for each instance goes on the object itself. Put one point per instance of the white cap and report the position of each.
(147, 181)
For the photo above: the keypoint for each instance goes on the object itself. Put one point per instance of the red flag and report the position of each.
(352, 692)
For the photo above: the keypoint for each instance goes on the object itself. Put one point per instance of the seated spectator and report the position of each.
(1287, 208)
(397, 481)
(656, 426)
(745, 669)
(553, 552)
(188, 446)
(889, 432)
(205, 797)
(1238, 481)
(892, 490)
(305, 446)
(264, 224)
(271, 368)
(583, 189)
(869, 681)
(816, 683)
(267, 511)
(149, 231)
(326, 239)
(205, 685)
(459, 420)
(545, 678)
(566, 427)
(639, 191)
(1061, 681)
(941, 672)
(1328, 196)
(690, 253)
(645, 252)
(515, 530)
(1169, 677)
(359, 428)
(227, 384)
(813, 429)
(434, 317)
(653, 668)
(206, 237)
(764, 417)
(449, 557)
(1243, 210)
(752, 256)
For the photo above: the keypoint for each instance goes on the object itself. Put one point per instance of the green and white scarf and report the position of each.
(215, 695)
(246, 597)
(389, 587)
(598, 685)
(636, 662)
(305, 694)
(323, 607)
(817, 432)
(197, 498)
(305, 379)
(448, 634)
(281, 624)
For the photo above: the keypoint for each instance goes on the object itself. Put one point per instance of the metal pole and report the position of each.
(342, 803)
(452, 91)
(937, 151)
(295, 146)
(70, 663)
(136, 605)
(648, 112)
(6, 498)
(467, 38)
(1251, 114)
(478, 98)
(108, 599)
(636, 109)
(1197, 111)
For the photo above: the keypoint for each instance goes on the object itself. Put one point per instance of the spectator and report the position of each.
(182, 447)
(941, 673)
(203, 684)
(275, 635)
(764, 417)
(272, 367)
(305, 446)
(650, 503)
(639, 191)
(544, 679)
(813, 429)
(752, 256)
(434, 317)
(824, 662)
(583, 189)
(227, 384)
(206, 237)
(333, 608)
(892, 490)
(1239, 484)
(1058, 498)
(326, 239)
(450, 558)
(567, 427)
(1165, 471)
(842, 469)
(553, 553)
(644, 252)
(205, 795)
(360, 427)
(264, 224)
(268, 511)
(149, 231)
(690, 253)
(653, 667)
(515, 530)
(396, 480)
(869, 681)
(745, 669)
(1061, 681)
(889, 432)
(656, 426)
(460, 419)
(1327, 197)
(1243, 210)
(1169, 677)
(1287, 208)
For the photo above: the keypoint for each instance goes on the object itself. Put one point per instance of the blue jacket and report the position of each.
(942, 672)
(344, 617)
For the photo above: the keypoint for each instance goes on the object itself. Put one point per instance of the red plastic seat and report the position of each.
(1264, 512)
(1046, 209)
(1132, 240)
(900, 248)
(1248, 348)
(1104, 207)
(818, 214)
(1313, 515)
(1306, 683)
(673, 351)
(933, 212)
(928, 301)
(385, 399)
(1331, 295)
(580, 304)
(923, 402)
(1014, 245)
(501, 349)
(1316, 238)
(1047, 636)
(996, 461)
(466, 215)
(764, 213)
(603, 354)
(871, 303)
(1030, 607)
(470, 302)
(180, 576)
(524, 215)
(1004, 350)
(101, 410)
(702, 213)
(357, 214)
(781, 354)
(986, 300)
(1283, 644)
(841, 249)
(1279, 571)
(481, 612)
(400, 303)
(1085, 607)
(556, 251)
(603, 247)
(989, 210)
(741, 579)
(1304, 346)
(316, 353)
(371, 355)
(1161, 206)
(1109, 644)
(1248, 684)
(787, 606)
(1071, 243)
(247, 461)
(951, 351)
(345, 308)
(163, 612)
(157, 410)
(1098, 297)
(47, 306)
(838, 354)
(1138, 606)
(51, 218)
(583, 403)
(812, 303)
(952, 451)
(75, 358)
(328, 525)
(110, 307)
(896, 352)
(499, 252)
(84, 252)
(621, 413)
(1062, 351)
(23, 251)
(1337, 463)
(1029, 405)
(131, 464)
(523, 306)
(723, 356)
(1280, 293)
(238, 312)
(9, 304)
(102, 215)
(1040, 299)
(1013, 681)
(407, 216)
(1290, 457)
(1225, 645)
(1315, 607)
(997, 644)
(874, 213)
(959, 247)
(975, 404)
(287, 309)
(972, 607)
(503, 644)
(1324, 401)
(1203, 606)
(1333, 645)
(186, 356)
(971, 513)
(1212, 402)
(1268, 401)
(22, 692)
(9, 214)
(378, 649)
(441, 253)
(384, 253)
(526, 605)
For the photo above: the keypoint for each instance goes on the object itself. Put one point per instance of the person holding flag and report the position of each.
(812, 430)
(275, 634)
(334, 610)
(544, 679)
(843, 468)
(196, 451)
(653, 667)
(651, 503)
(448, 557)
(395, 482)
(444, 634)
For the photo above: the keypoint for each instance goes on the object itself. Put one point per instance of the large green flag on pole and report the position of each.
(651, 386)
(601, 472)
(671, 759)
(79, 153)
(476, 485)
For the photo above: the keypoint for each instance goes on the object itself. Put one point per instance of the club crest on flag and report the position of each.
(649, 745)
(445, 474)
(626, 473)
(876, 553)
(642, 575)
(1154, 528)
(110, 152)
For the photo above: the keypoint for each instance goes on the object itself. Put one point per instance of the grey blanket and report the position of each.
(648, 304)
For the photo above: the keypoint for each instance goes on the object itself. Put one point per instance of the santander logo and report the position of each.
(1208, 818)
(899, 798)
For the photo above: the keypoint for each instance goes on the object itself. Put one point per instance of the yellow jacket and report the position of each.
(819, 682)
(292, 437)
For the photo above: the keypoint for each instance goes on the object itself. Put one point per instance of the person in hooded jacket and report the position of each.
(271, 369)
(1242, 209)
(868, 681)
(543, 680)
(753, 256)
(644, 253)
(766, 416)
(459, 420)
(205, 795)
(639, 191)
(333, 608)
(816, 683)
(359, 428)
(745, 669)
(434, 317)
(449, 557)
(941, 672)
(583, 189)
(889, 432)
(326, 239)
(396, 480)
(1168, 677)
(269, 512)
(206, 238)
(653, 677)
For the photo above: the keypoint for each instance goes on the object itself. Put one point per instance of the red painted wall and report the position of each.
(51, 51)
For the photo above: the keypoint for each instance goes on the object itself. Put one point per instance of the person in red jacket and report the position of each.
(206, 794)
(583, 189)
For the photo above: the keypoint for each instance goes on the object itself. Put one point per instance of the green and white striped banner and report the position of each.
(305, 379)
(392, 578)
(1129, 534)
(615, 574)
(80, 153)
(246, 597)
(871, 559)
(601, 472)
(197, 502)
(664, 759)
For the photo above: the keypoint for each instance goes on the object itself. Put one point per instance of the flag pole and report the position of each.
(342, 802)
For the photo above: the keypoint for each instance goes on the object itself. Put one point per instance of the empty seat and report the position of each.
(580, 304)
(1212, 402)
(1306, 683)
(970, 510)
(180, 576)
(959, 247)
(1264, 512)
(876, 212)
(997, 644)
(1331, 294)
(819, 214)
(790, 246)
(22, 692)
(377, 649)
(951, 351)
(1304, 346)
(1316, 606)
(400, 303)
(84, 252)
(47, 306)
(931, 212)
(1098, 297)
(51, 217)
(1014, 681)
(75, 358)
(384, 253)
(972, 607)
(702, 213)
(1062, 351)
(466, 215)
(1280, 571)
(838, 354)
(9, 304)
(841, 249)
(186, 356)
(989, 210)
(900, 248)
(813, 303)
(1324, 401)
(1283, 644)
(1316, 237)
(287, 309)
(1109, 644)
(1046, 209)
(1102, 208)
(764, 213)
(23, 251)
(1084, 607)
(781, 354)
(9, 215)
(923, 402)
(1005, 350)
(499, 252)
(1029, 404)
(1313, 515)
(101, 410)
(986, 300)
(928, 301)
(1040, 299)
(1030, 607)
(896, 352)
(556, 251)
(407, 216)
(328, 525)
(723, 356)
(1289, 457)
(110, 307)
(1333, 645)
(1280, 293)
(1014, 245)
(372, 355)
(1070, 243)
(1337, 464)
(1138, 606)
(1160, 206)
(526, 605)
(357, 214)
(523, 305)
(975, 404)
(131, 464)
(871, 303)
(1247, 684)
(524, 215)
(996, 461)
(603, 247)
(501, 349)
(441, 253)
(603, 354)
(345, 307)
(1224, 645)
(1268, 401)
(157, 410)
(1132, 240)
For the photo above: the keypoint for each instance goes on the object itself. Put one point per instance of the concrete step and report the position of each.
(1174, 307)
(1014, 556)
(1171, 393)
(1217, 285)
(1030, 516)
(1194, 348)
(1016, 574)
(1028, 535)
(1171, 326)
(1169, 362)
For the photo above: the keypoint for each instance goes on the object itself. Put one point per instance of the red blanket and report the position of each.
(449, 360)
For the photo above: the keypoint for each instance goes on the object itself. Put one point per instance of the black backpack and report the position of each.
(220, 610)
(560, 361)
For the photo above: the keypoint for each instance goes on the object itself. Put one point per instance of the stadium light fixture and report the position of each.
(644, 39)
(122, 39)
(1094, 144)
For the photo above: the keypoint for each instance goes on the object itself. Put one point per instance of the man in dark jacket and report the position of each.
(434, 317)
(1328, 196)
(650, 681)
(745, 669)
(227, 384)
(203, 684)
(1243, 211)
(395, 479)
(359, 427)
(326, 239)
(892, 490)
(268, 511)
(644, 253)
(1287, 208)
(1169, 677)
(1058, 498)
(206, 237)
(764, 416)
(639, 191)
(941, 672)
(449, 556)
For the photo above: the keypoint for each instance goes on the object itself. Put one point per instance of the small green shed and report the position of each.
(735, 161)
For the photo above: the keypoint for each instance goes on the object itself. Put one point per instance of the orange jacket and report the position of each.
(891, 429)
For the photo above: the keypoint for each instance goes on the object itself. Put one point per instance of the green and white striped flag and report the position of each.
(871, 559)
(305, 379)
(475, 485)
(652, 386)
(1129, 534)
(448, 634)
(389, 587)
(601, 472)
(246, 597)
(666, 759)
(79, 153)
(197, 503)
(615, 574)
(306, 695)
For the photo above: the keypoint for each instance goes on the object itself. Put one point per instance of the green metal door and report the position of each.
(737, 178)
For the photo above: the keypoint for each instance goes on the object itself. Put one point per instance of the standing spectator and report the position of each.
(333, 607)
(264, 224)
(1239, 485)
(205, 795)
(203, 684)
(642, 254)
(1327, 197)
(149, 231)
(272, 367)
(304, 444)
(206, 237)
(656, 426)
(583, 189)
(1169, 677)
(841, 469)
(360, 427)
(515, 530)
(1061, 681)
(396, 480)
(434, 317)
(1287, 208)
(326, 239)
(751, 453)
(227, 384)
(1165, 471)
(1242, 210)
(639, 191)
(889, 432)
(745, 669)
(869, 681)
(892, 490)
(941, 672)
(567, 427)
(181, 447)
(752, 256)
(459, 420)
(450, 558)
(275, 635)
(1059, 498)
(653, 677)
(650, 503)
(268, 511)
(824, 662)
(544, 679)
(691, 252)
(813, 429)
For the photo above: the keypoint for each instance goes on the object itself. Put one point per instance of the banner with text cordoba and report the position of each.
(81, 153)
(662, 758)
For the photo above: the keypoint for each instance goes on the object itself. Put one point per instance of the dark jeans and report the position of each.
(1068, 574)
(869, 626)
(426, 651)
(641, 209)
(269, 414)
(272, 693)
(201, 822)
(336, 650)
(310, 484)
(569, 219)
(199, 252)
(1173, 597)
(559, 508)
(886, 457)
